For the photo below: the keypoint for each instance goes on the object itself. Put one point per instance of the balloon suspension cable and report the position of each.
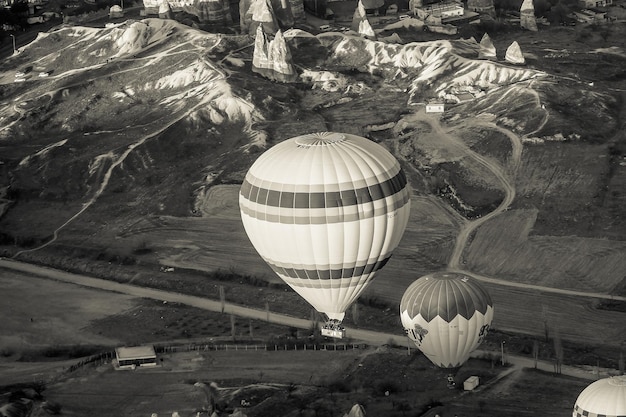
(333, 324)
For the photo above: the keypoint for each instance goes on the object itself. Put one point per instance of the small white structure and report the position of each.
(115, 12)
(595, 3)
(136, 356)
(435, 108)
(470, 383)
(443, 10)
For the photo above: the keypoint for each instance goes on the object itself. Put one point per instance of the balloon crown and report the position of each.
(319, 139)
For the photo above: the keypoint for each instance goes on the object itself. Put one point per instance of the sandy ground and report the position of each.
(48, 313)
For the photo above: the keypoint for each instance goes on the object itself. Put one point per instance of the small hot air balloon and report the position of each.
(447, 315)
(605, 397)
(325, 211)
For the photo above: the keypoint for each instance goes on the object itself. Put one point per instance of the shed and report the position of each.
(471, 383)
(435, 107)
(131, 357)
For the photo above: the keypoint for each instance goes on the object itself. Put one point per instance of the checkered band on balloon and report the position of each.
(579, 412)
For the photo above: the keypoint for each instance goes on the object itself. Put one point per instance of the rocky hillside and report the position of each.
(140, 118)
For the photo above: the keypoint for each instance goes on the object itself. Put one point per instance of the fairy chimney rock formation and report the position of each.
(360, 23)
(254, 13)
(272, 14)
(487, 49)
(514, 54)
(272, 58)
(165, 11)
(527, 16)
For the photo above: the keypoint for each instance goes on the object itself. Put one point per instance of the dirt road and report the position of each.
(370, 337)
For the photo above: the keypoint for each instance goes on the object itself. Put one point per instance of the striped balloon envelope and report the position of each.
(603, 398)
(325, 211)
(447, 315)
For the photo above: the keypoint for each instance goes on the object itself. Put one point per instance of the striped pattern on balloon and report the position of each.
(325, 211)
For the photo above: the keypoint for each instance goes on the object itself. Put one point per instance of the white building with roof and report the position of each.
(135, 356)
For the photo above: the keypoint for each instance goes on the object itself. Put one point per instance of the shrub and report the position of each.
(372, 301)
(386, 387)
(339, 385)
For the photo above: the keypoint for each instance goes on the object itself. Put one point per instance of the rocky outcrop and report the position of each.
(527, 16)
(487, 49)
(357, 410)
(393, 38)
(415, 4)
(366, 30)
(165, 11)
(207, 11)
(514, 54)
(372, 4)
(443, 28)
(272, 58)
(482, 7)
(360, 23)
(283, 13)
(255, 13)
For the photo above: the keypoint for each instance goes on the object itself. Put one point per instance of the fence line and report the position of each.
(256, 347)
(108, 356)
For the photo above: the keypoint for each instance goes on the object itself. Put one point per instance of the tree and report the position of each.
(355, 313)
(546, 328)
(558, 14)
(541, 7)
(503, 6)
(19, 8)
(222, 297)
(211, 394)
(8, 17)
(315, 323)
(558, 352)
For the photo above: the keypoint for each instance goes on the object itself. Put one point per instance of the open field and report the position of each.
(44, 313)
(571, 262)
(419, 253)
(386, 381)
(199, 243)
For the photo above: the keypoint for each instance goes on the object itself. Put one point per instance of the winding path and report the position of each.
(467, 227)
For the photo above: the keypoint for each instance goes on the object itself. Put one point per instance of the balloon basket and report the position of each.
(334, 329)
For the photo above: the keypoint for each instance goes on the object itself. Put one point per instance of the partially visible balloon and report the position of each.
(602, 398)
(447, 315)
(325, 211)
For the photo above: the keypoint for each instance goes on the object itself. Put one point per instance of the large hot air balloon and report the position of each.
(325, 211)
(447, 315)
(605, 397)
